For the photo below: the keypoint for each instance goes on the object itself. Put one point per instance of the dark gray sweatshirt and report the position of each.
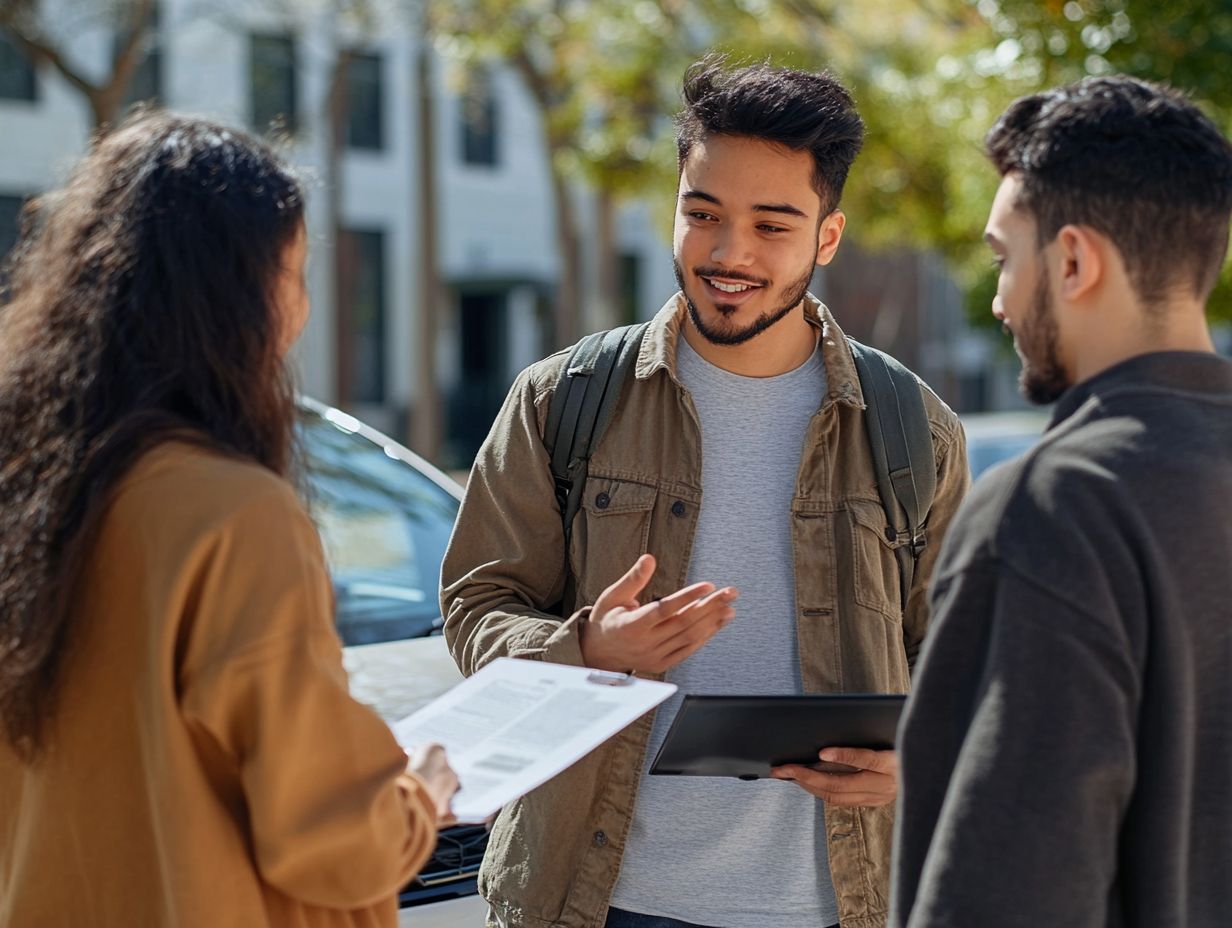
(1066, 752)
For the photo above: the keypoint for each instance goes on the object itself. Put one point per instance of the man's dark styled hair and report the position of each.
(795, 109)
(1137, 162)
(141, 306)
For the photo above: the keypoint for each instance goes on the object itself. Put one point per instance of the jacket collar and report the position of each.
(842, 383)
(1183, 371)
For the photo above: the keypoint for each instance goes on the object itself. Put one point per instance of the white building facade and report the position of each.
(494, 230)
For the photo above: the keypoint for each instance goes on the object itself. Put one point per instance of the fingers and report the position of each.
(429, 763)
(865, 788)
(696, 625)
(686, 630)
(668, 606)
(426, 760)
(879, 761)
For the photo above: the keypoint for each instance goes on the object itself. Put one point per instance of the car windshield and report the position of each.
(384, 526)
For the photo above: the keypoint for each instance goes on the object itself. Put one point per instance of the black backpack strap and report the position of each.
(902, 448)
(581, 405)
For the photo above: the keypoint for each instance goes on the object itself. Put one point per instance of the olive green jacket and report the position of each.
(554, 855)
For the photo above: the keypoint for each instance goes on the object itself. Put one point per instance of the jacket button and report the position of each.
(600, 839)
(678, 508)
(602, 501)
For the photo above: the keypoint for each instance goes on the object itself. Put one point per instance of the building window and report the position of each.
(17, 79)
(363, 316)
(480, 122)
(146, 83)
(10, 227)
(365, 127)
(272, 69)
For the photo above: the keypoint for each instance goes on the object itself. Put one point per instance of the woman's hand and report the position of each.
(429, 763)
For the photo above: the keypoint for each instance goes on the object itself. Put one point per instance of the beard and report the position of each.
(726, 333)
(1043, 378)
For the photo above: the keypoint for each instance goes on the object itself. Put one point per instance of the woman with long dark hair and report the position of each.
(178, 744)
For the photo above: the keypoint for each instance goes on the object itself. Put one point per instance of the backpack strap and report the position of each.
(581, 406)
(902, 448)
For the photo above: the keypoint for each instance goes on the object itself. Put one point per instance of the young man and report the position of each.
(737, 454)
(1067, 750)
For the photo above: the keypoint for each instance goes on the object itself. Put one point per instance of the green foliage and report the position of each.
(929, 76)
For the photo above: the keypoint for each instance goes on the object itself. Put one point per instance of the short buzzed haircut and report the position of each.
(1137, 162)
(796, 109)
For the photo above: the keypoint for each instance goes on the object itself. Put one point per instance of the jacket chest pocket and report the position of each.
(612, 530)
(874, 564)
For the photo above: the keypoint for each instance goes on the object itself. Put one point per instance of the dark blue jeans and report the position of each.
(619, 918)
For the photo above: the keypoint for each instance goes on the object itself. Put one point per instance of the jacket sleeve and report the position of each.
(505, 565)
(334, 819)
(953, 481)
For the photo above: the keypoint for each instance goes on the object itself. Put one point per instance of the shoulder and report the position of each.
(841, 367)
(1052, 513)
(942, 420)
(538, 381)
(205, 489)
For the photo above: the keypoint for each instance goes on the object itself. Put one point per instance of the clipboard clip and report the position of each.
(609, 678)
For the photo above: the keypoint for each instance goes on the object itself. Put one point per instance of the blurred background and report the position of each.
(493, 178)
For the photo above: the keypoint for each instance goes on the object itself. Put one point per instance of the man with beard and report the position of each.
(1066, 751)
(737, 459)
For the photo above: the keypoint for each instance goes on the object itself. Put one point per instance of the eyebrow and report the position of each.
(785, 208)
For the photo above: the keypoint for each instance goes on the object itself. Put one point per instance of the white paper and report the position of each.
(515, 724)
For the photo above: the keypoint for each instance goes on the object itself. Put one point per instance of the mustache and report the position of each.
(714, 271)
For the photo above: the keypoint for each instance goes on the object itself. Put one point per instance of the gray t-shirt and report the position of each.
(716, 851)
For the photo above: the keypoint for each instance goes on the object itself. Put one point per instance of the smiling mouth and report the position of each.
(726, 286)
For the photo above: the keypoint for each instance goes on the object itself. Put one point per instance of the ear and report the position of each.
(1081, 255)
(829, 235)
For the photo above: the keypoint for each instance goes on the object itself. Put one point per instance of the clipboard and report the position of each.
(744, 736)
(517, 723)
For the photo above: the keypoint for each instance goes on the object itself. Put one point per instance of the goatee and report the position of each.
(792, 295)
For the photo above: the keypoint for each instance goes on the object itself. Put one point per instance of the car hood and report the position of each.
(398, 677)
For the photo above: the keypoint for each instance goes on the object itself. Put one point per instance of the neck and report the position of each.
(781, 348)
(1178, 326)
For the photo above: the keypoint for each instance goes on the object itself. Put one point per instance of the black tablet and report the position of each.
(744, 736)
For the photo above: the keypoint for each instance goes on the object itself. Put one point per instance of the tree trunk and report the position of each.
(607, 262)
(567, 305)
(568, 286)
(426, 419)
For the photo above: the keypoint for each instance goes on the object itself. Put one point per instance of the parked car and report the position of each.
(385, 515)
(998, 436)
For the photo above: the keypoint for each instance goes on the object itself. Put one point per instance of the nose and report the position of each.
(998, 310)
(733, 247)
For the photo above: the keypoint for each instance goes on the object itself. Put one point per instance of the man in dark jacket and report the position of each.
(1067, 749)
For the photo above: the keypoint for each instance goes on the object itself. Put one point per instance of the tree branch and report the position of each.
(40, 51)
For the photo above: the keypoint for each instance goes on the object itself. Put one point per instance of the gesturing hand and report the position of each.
(871, 778)
(623, 635)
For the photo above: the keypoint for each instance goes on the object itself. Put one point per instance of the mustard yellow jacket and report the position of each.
(207, 767)
(554, 856)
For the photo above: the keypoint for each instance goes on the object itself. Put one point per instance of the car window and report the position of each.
(384, 526)
(983, 453)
